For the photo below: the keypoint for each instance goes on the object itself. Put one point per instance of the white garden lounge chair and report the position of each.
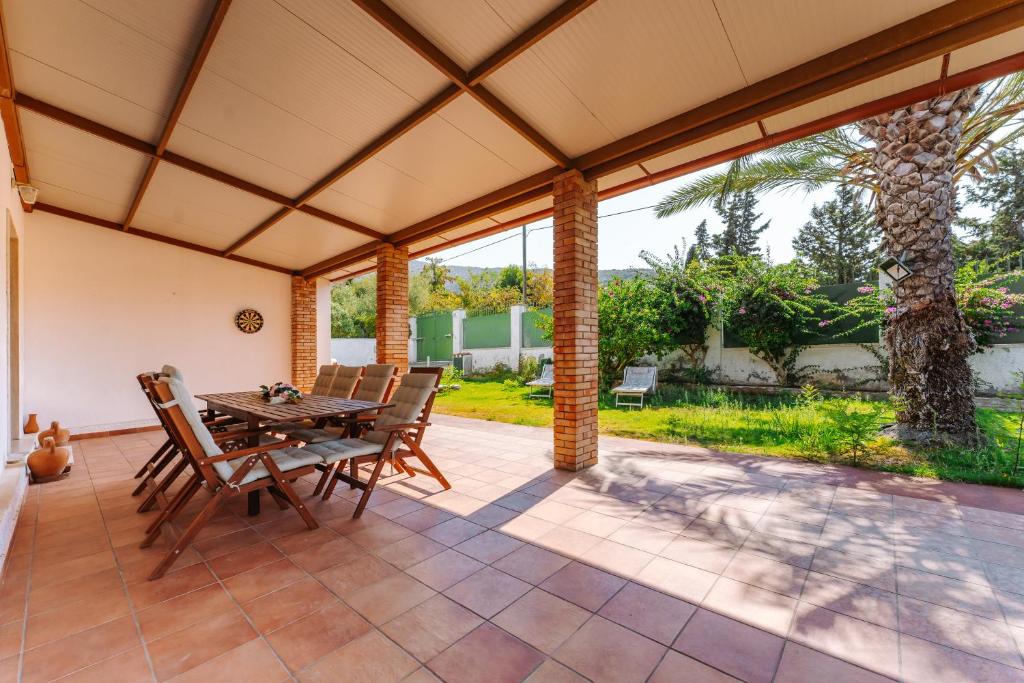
(546, 380)
(636, 383)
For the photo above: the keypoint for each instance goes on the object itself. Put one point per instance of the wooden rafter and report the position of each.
(12, 125)
(220, 10)
(99, 130)
(415, 40)
(157, 237)
(927, 36)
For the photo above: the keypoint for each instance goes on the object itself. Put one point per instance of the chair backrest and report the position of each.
(345, 381)
(324, 378)
(547, 372)
(376, 383)
(146, 380)
(189, 432)
(641, 376)
(172, 371)
(412, 402)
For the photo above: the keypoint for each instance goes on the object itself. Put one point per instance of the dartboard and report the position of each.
(249, 321)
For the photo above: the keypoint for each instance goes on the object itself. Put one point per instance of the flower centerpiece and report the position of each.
(279, 392)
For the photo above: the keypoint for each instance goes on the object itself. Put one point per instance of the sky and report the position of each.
(622, 236)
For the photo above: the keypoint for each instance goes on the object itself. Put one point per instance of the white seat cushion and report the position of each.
(286, 459)
(314, 435)
(631, 389)
(342, 449)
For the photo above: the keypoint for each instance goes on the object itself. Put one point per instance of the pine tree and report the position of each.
(701, 241)
(999, 238)
(741, 234)
(841, 239)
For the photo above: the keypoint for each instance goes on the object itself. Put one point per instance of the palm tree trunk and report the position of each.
(927, 337)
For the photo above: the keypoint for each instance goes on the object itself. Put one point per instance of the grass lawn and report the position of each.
(763, 425)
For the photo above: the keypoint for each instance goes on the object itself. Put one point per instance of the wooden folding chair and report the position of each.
(401, 423)
(226, 475)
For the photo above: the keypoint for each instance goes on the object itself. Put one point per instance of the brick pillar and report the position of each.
(575, 314)
(304, 366)
(393, 306)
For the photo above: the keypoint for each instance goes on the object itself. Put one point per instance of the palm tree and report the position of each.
(910, 160)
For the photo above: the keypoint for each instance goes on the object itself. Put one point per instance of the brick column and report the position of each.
(393, 306)
(575, 314)
(304, 366)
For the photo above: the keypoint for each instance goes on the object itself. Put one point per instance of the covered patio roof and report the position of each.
(299, 135)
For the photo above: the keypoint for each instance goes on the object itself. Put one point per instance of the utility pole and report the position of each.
(524, 265)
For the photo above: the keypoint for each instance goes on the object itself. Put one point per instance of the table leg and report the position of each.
(254, 496)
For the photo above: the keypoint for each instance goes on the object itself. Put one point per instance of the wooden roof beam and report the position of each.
(12, 125)
(416, 41)
(929, 35)
(198, 59)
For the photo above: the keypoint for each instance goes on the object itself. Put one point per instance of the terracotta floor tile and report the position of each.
(711, 557)
(71, 569)
(487, 654)
(650, 613)
(595, 524)
(184, 610)
(76, 616)
(80, 650)
(491, 516)
(58, 593)
(454, 531)
(274, 610)
(127, 667)
(755, 606)
(568, 541)
(178, 652)
(526, 528)
(617, 558)
(337, 551)
(801, 664)
(252, 662)
(243, 560)
(410, 550)
(531, 564)
(604, 651)
(643, 536)
(967, 597)
(488, 591)
(262, 580)
(345, 580)
(781, 549)
(926, 662)
(430, 627)
(379, 535)
(583, 585)
(302, 642)
(444, 570)
(424, 518)
(10, 639)
(553, 672)
(967, 632)
(371, 658)
(676, 667)
(489, 546)
(210, 548)
(677, 579)
(384, 600)
(765, 573)
(541, 619)
(302, 539)
(866, 570)
(858, 642)
(170, 586)
(752, 654)
(851, 598)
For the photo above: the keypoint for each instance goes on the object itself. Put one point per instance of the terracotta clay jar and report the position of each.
(47, 463)
(31, 426)
(60, 437)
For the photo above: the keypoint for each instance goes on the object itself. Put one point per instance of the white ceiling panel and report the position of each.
(354, 268)
(191, 207)
(628, 64)
(90, 205)
(468, 229)
(467, 31)
(804, 29)
(342, 88)
(523, 210)
(913, 76)
(619, 177)
(490, 132)
(114, 53)
(301, 240)
(703, 148)
(1003, 45)
(244, 125)
(64, 157)
(348, 206)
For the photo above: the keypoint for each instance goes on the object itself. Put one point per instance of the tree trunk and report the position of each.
(927, 338)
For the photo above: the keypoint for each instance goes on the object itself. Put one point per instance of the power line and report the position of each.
(541, 227)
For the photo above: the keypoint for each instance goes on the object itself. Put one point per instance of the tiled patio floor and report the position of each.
(663, 563)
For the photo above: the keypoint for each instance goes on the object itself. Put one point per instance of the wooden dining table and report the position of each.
(257, 413)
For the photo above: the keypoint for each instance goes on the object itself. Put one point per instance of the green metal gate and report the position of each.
(434, 337)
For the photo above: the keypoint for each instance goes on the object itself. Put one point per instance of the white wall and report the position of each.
(354, 351)
(100, 307)
(10, 206)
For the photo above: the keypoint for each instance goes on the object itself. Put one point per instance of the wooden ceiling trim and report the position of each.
(12, 125)
(113, 225)
(213, 25)
(417, 42)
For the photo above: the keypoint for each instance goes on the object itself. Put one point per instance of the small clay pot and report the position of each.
(47, 463)
(31, 426)
(60, 437)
